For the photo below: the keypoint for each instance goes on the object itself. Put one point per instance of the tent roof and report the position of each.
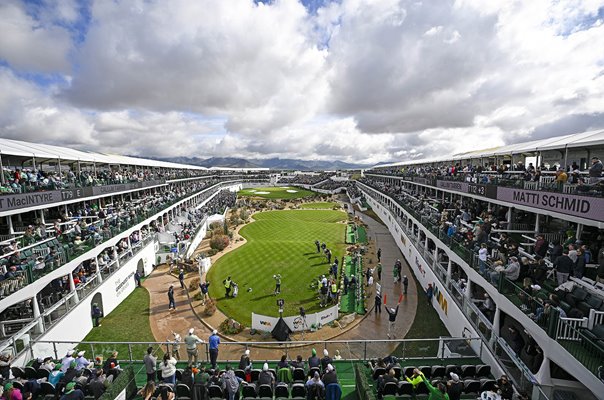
(591, 138)
(46, 151)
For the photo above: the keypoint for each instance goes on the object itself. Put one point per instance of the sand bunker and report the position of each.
(291, 191)
(262, 192)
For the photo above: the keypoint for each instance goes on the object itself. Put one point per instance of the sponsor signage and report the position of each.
(453, 185)
(295, 323)
(123, 187)
(580, 206)
(121, 285)
(15, 201)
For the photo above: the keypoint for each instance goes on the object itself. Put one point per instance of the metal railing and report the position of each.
(355, 350)
(19, 341)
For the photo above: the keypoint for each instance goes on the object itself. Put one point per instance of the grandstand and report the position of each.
(81, 229)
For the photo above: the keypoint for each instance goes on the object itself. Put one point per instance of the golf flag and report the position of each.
(400, 298)
(385, 295)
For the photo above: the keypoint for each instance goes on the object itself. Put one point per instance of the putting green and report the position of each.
(327, 205)
(278, 242)
(285, 192)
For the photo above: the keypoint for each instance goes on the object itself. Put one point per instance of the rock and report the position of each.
(347, 319)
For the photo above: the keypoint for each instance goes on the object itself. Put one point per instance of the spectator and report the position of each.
(266, 377)
(564, 267)
(595, 171)
(150, 362)
(330, 375)
(168, 369)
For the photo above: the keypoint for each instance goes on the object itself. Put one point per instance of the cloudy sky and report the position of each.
(354, 80)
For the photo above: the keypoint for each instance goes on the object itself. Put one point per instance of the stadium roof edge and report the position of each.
(591, 138)
(44, 151)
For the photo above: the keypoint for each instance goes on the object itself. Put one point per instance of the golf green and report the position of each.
(326, 205)
(284, 192)
(278, 242)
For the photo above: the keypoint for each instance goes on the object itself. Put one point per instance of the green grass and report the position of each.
(278, 242)
(276, 193)
(129, 322)
(326, 205)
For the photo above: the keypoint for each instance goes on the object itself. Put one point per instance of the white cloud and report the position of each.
(357, 80)
(32, 45)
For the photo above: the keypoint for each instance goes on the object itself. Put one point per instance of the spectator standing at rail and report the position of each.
(595, 171)
(191, 342)
(150, 362)
(214, 341)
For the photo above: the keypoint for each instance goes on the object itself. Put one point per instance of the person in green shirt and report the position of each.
(416, 378)
(436, 393)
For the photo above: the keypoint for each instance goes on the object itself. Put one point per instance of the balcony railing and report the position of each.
(533, 306)
(68, 251)
(34, 328)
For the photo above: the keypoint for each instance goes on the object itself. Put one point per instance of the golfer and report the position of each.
(277, 284)
(392, 319)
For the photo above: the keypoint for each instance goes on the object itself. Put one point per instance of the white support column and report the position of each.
(116, 257)
(72, 288)
(9, 221)
(449, 270)
(496, 325)
(98, 270)
(36, 311)
(537, 223)
(468, 292)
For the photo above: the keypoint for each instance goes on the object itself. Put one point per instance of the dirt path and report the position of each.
(189, 311)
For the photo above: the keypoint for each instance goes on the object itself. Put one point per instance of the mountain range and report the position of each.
(272, 163)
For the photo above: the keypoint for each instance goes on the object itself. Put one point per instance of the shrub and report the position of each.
(210, 308)
(219, 242)
(230, 326)
(215, 225)
(212, 252)
(194, 284)
(244, 214)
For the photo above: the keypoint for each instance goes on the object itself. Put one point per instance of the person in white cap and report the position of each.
(176, 346)
(454, 387)
(191, 342)
(213, 342)
(66, 361)
(330, 375)
(326, 360)
(244, 362)
(81, 361)
(266, 377)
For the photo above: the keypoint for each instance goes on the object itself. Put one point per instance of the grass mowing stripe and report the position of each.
(278, 242)
(275, 193)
